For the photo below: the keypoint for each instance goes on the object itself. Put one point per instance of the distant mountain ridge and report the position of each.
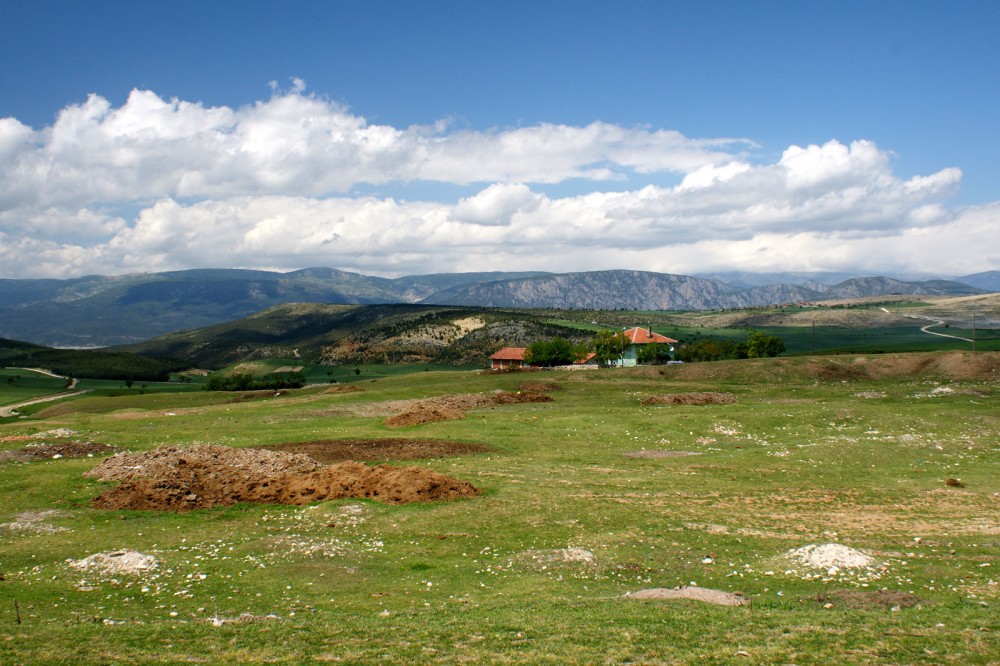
(114, 310)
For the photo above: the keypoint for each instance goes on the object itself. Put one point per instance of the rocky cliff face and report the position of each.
(638, 290)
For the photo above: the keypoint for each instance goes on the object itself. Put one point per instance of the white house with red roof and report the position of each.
(637, 338)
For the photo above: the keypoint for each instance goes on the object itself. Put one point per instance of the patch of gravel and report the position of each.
(831, 556)
(117, 562)
(166, 461)
(557, 556)
(709, 398)
(704, 594)
(659, 454)
(34, 522)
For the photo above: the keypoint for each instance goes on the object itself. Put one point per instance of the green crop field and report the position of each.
(893, 459)
(17, 384)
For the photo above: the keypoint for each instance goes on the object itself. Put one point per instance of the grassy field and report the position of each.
(849, 450)
(17, 384)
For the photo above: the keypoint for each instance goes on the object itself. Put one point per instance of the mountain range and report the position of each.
(96, 311)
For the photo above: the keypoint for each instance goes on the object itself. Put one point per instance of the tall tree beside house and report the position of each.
(654, 353)
(609, 347)
(548, 353)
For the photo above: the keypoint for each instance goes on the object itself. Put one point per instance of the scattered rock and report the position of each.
(55, 450)
(547, 558)
(955, 483)
(707, 595)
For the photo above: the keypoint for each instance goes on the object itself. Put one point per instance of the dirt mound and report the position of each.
(707, 595)
(172, 479)
(423, 414)
(539, 387)
(691, 399)
(117, 562)
(55, 450)
(168, 461)
(338, 450)
(448, 407)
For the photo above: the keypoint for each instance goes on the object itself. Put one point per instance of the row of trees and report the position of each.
(609, 347)
(245, 381)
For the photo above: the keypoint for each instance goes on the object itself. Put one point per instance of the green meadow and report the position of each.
(593, 495)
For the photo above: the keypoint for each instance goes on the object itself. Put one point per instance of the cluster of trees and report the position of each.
(609, 347)
(757, 345)
(246, 381)
(90, 364)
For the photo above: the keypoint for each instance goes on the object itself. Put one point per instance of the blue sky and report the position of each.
(407, 137)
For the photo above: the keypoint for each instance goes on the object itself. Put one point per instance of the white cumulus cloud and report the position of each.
(161, 184)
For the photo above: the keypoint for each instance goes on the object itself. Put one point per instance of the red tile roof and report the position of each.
(509, 354)
(644, 336)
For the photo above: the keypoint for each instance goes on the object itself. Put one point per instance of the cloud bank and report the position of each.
(166, 184)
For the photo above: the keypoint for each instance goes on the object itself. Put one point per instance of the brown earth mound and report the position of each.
(540, 387)
(55, 450)
(172, 479)
(423, 414)
(447, 407)
(691, 399)
(338, 450)
(707, 595)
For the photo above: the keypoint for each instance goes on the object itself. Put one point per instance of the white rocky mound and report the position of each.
(831, 556)
(117, 562)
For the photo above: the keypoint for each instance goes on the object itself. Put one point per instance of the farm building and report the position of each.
(638, 337)
(508, 357)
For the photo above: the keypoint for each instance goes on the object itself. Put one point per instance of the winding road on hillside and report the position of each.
(9, 410)
(934, 322)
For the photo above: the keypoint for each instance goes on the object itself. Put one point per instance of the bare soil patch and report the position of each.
(49, 451)
(709, 398)
(329, 451)
(659, 454)
(349, 388)
(448, 407)
(707, 595)
(173, 479)
(539, 387)
(866, 600)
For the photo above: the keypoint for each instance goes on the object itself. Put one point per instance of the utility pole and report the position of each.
(973, 331)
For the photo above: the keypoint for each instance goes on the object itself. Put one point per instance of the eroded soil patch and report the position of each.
(659, 454)
(867, 600)
(52, 450)
(447, 407)
(173, 479)
(338, 450)
(709, 398)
